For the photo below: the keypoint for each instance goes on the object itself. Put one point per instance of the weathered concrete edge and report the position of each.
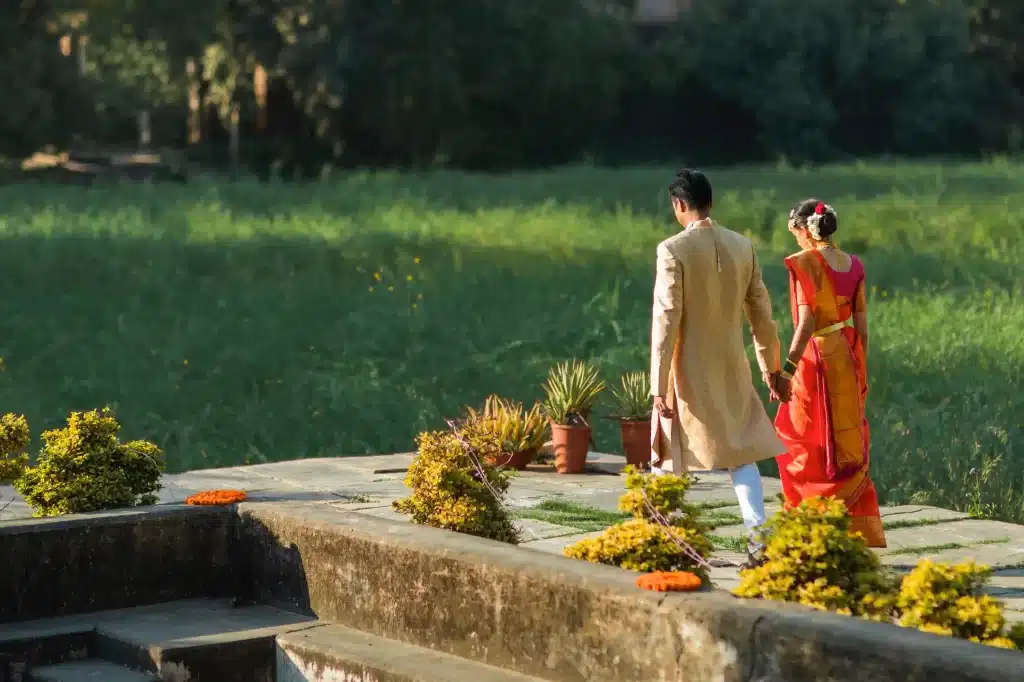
(105, 518)
(562, 619)
(122, 558)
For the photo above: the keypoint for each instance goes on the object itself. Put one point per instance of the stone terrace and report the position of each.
(368, 485)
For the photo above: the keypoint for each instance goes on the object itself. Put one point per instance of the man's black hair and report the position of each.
(692, 188)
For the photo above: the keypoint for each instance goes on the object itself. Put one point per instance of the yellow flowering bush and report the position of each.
(811, 558)
(947, 600)
(14, 438)
(83, 467)
(642, 543)
(665, 494)
(451, 491)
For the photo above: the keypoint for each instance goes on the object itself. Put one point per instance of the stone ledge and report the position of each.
(566, 620)
(109, 560)
(333, 652)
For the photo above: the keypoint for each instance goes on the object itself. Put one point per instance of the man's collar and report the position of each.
(703, 222)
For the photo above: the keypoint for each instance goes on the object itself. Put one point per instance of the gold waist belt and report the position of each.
(848, 322)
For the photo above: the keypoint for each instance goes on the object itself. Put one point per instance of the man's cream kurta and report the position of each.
(707, 279)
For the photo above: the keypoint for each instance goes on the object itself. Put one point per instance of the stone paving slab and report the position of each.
(960, 532)
(915, 513)
(996, 556)
(557, 545)
(12, 506)
(388, 513)
(534, 530)
(732, 531)
(362, 503)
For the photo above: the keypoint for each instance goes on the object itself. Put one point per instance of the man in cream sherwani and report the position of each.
(707, 414)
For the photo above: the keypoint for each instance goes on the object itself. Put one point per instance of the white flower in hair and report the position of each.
(814, 220)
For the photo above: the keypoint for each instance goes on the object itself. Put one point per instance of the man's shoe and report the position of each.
(754, 560)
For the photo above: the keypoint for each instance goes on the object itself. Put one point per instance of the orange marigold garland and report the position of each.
(216, 497)
(670, 581)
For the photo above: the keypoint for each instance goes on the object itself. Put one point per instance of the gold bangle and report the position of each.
(786, 375)
(789, 366)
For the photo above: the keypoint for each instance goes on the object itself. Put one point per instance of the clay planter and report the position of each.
(517, 460)
(570, 445)
(636, 441)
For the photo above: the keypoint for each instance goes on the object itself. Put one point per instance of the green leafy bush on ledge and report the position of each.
(642, 543)
(451, 490)
(84, 467)
(14, 438)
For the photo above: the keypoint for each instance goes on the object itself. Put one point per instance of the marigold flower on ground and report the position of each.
(216, 497)
(670, 581)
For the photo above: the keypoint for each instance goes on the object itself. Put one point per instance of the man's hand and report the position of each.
(663, 409)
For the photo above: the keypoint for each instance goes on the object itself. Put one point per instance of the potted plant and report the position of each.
(572, 389)
(633, 412)
(520, 432)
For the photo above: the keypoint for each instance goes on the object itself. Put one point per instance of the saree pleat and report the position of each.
(823, 426)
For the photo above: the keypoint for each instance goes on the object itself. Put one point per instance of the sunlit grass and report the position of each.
(247, 323)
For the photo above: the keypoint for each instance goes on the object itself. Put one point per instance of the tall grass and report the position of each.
(248, 323)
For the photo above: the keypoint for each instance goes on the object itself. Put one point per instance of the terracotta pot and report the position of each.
(571, 444)
(517, 460)
(636, 441)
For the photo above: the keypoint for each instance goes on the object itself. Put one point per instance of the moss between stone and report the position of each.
(918, 550)
(572, 515)
(914, 523)
(589, 519)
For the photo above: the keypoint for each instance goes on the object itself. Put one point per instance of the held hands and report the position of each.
(779, 387)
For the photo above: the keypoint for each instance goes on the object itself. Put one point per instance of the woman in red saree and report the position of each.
(824, 379)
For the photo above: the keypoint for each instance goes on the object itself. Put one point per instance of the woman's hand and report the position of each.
(783, 388)
(779, 387)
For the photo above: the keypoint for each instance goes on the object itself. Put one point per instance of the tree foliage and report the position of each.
(489, 85)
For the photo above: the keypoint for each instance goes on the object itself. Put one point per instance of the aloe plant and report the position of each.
(519, 429)
(572, 390)
(632, 397)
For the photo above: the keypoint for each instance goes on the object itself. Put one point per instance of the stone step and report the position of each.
(333, 652)
(89, 670)
(198, 640)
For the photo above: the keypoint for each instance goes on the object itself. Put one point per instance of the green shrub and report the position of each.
(811, 558)
(14, 438)
(947, 600)
(1016, 635)
(455, 489)
(83, 467)
(642, 543)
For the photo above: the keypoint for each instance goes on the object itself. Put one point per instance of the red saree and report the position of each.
(823, 425)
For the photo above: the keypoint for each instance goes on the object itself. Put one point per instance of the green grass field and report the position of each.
(247, 323)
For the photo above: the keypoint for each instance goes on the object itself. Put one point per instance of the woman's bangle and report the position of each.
(789, 366)
(786, 375)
